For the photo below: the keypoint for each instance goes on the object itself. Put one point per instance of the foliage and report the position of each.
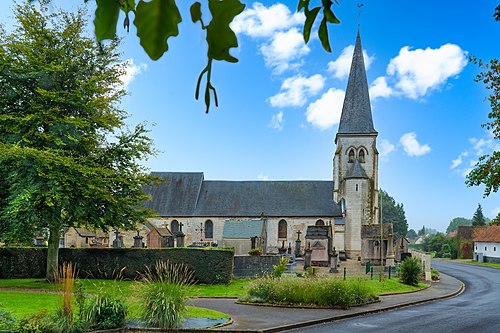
(255, 252)
(327, 292)
(280, 268)
(457, 221)
(478, 219)
(411, 234)
(104, 311)
(38, 322)
(497, 13)
(164, 294)
(434, 274)
(409, 271)
(487, 170)
(496, 220)
(422, 232)
(392, 212)
(6, 320)
(66, 161)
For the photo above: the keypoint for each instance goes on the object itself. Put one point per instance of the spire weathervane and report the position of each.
(359, 13)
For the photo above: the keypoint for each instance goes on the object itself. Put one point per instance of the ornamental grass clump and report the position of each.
(409, 271)
(324, 292)
(165, 294)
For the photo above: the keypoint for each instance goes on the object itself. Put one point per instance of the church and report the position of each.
(203, 209)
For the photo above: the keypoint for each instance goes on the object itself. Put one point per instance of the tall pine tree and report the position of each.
(478, 218)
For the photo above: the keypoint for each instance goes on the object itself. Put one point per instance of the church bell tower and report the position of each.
(355, 163)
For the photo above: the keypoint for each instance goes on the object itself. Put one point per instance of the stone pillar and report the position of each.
(138, 241)
(118, 242)
(307, 258)
(334, 260)
(390, 252)
(298, 242)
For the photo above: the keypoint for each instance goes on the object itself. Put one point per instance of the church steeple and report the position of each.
(356, 113)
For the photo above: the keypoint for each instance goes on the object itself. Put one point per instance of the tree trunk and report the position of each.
(53, 253)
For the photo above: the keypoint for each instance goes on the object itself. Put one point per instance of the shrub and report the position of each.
(6, 320)
(280, 268)
(434, 274)
(255, 252)
(165, 294)
(105, 312)
(38, 322)
(409, 271)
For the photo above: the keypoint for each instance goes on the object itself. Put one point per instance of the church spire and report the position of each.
(356, 113)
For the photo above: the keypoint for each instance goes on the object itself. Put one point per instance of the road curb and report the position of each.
(349, 315)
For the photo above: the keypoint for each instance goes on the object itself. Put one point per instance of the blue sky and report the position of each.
(279, 106)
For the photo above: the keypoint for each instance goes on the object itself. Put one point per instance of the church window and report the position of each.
(209, 229)
(174, 227)
(351, 155)
(320, 222)
(361, 156)
(356, 187)
(282, 229)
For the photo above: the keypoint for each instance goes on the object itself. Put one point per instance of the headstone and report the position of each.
(138, 241)
(118, 241)
(289, 250)
(297, 245)
(334, 261)
(307, 257)
(282, 249)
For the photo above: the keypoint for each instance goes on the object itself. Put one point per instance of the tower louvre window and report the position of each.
(351, 155)
(361, 156)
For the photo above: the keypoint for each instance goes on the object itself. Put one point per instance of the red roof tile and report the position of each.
(487, 234)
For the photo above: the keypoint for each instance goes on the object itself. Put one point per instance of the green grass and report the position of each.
(235, 288)
(489, 264)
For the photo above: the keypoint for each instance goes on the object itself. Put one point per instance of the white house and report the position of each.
(487, 244)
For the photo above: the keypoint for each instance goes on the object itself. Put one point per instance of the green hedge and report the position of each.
(209, 265)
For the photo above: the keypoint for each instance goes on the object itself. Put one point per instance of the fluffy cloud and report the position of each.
(419, 71)
(261, 21)
(326, 111)
(295, 90)
(340, 67)
(131, 71)
(459, 160)
(386, 148)
(284, 50)
(261, 176)
(411, 145)
(466, 160)
(379, 88)
(277, 121)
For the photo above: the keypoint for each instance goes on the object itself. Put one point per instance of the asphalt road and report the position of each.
(477, 309)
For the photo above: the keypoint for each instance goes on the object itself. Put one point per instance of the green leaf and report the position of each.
(106, 17)
(303, 4)
(323, 35)
(220, 37)
(310, 18)
(195, 10)
(330, 16)
(156, 21)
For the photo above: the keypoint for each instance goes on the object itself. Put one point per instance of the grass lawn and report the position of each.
(489, 264)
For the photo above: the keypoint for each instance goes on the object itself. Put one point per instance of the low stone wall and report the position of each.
(492, 260)
(425, 260)
(252, 266)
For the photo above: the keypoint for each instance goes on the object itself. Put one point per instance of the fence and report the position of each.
(425, 260)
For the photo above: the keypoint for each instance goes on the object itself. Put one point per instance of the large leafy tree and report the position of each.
(64, 159)
(478, 219)
(457, 221)
(394, 213)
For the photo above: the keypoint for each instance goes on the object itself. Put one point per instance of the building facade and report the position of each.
(350, 200)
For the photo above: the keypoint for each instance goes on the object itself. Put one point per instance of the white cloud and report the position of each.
(261, 176)
(284, 50)
(295, 90)
(419, 71)
(459, 160)
(131, 71)
(277, 121)
(379, 88)
(341, 66)
(468, 159)
(412, 147)
(495, 212)
(262, 21)
(386, 148)
(326, 111)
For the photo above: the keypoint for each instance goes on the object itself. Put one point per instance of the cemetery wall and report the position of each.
(251, 266)
(209, 265)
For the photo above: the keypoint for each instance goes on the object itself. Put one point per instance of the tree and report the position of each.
(422, 231)
(457, 221)
(65, 159)
(478, 218)
(394, 213)
(411, 234)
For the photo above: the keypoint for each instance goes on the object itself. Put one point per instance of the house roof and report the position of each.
(242, 229)
(162, 231)
(487, 234)
(188, 194)
(356, 115)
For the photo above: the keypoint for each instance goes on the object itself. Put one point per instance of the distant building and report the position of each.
(487, 244)
(160, 238)
(243, 235)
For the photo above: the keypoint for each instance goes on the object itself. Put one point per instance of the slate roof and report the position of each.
(318, 232)
(356, 115)
(356, 171)
(188, 194)
(487, 234)
(242, 229)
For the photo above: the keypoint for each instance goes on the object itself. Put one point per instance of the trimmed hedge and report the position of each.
(209, 265)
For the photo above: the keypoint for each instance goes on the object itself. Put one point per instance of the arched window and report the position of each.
(209, 229)
(174, 227)
(351, 155)
(320, 222)
(282, 229)
(361, 156)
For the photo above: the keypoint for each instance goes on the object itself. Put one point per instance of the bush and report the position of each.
(434, 274)
(280, 268)
(39, 322)
(105, 312)
(165, 294)
(255, 252)
(6, 320)
(326, 292)
(409, 271)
